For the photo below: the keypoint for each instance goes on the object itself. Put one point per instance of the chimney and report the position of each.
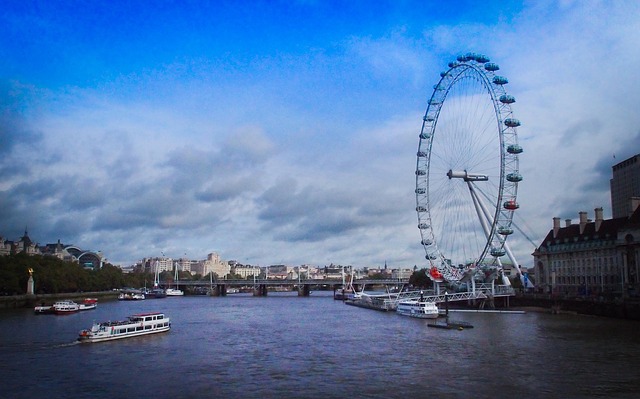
(556, 226)
(598, 218)
(567, 222)
(583, 220)
(633, 203)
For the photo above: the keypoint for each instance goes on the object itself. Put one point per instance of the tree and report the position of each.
(420, 279)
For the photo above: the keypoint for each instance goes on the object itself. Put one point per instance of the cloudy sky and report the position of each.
(286, 131)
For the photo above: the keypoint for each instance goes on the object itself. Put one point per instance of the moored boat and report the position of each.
(133, 326)
(157, 293)
(43, 309)
(418, 308)
(65, 307)
(174, 292)
(131, 296)
(89, 303)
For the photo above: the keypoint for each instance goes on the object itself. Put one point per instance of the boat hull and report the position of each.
(418, 310)
(65, 307)
(43, 309)
(135, 326)
(103, 338)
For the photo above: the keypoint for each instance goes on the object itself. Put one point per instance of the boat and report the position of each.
(43, 309)
(88, 304)
(66, 306)
(157, 293)
(133, 326)
(418, 308)
(175, 291)
(131, 296)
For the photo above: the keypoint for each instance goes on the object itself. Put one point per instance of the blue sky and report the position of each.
(286, 132)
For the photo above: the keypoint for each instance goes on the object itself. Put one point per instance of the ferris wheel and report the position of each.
(467, 172)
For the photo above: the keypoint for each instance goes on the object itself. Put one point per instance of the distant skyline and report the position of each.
(285, 132)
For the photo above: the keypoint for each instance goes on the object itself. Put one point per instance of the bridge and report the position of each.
(261, 286)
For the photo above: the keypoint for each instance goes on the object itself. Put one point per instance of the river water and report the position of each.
(284, 346)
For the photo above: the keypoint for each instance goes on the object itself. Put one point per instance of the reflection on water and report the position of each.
(285, 346)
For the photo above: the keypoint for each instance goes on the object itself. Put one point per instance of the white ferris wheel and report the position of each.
(467, 172)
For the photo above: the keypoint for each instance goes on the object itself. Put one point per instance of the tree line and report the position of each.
(52, 275)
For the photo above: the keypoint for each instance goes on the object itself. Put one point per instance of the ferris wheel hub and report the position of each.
(466, 176)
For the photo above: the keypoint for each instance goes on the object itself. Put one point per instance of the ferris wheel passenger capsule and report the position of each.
(423, 226)
(491, 67)
(424, 135)
(500, 80)
(421, 172)
(514, 149)
(426, 242)
(421, 190)
(505, 231)
(511, 205)
(512, 122)
(498, 252)
(507, 99)
(514, 177)
(481, 58)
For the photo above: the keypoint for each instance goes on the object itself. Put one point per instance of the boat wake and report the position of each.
(66, 345)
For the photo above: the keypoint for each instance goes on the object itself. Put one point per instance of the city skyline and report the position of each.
(286, 132)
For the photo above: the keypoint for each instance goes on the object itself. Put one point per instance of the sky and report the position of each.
(285, 132)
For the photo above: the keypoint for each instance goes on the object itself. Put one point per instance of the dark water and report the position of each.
(283, 346)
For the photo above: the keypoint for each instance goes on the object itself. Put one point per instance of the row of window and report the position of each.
(139, 328)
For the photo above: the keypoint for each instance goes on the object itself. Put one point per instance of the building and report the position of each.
(68, 253)
(246, 271)
(625, 185)
(158, 264)
(597, 257)
(213, 264)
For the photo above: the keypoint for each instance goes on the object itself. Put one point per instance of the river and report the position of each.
(284, 346)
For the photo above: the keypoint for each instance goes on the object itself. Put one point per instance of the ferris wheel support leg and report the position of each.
(478, 203)
(479, 210)
(528, 284)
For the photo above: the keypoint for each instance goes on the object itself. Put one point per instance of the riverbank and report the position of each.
(628, 309)
(26, 301)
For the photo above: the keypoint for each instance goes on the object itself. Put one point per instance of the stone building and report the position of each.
(592, 257)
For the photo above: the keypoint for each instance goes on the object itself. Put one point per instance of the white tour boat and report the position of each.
(89, 303)
(418, 308)
(65, 307)
(136, 325)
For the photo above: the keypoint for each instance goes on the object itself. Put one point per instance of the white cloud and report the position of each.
(310, 158)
